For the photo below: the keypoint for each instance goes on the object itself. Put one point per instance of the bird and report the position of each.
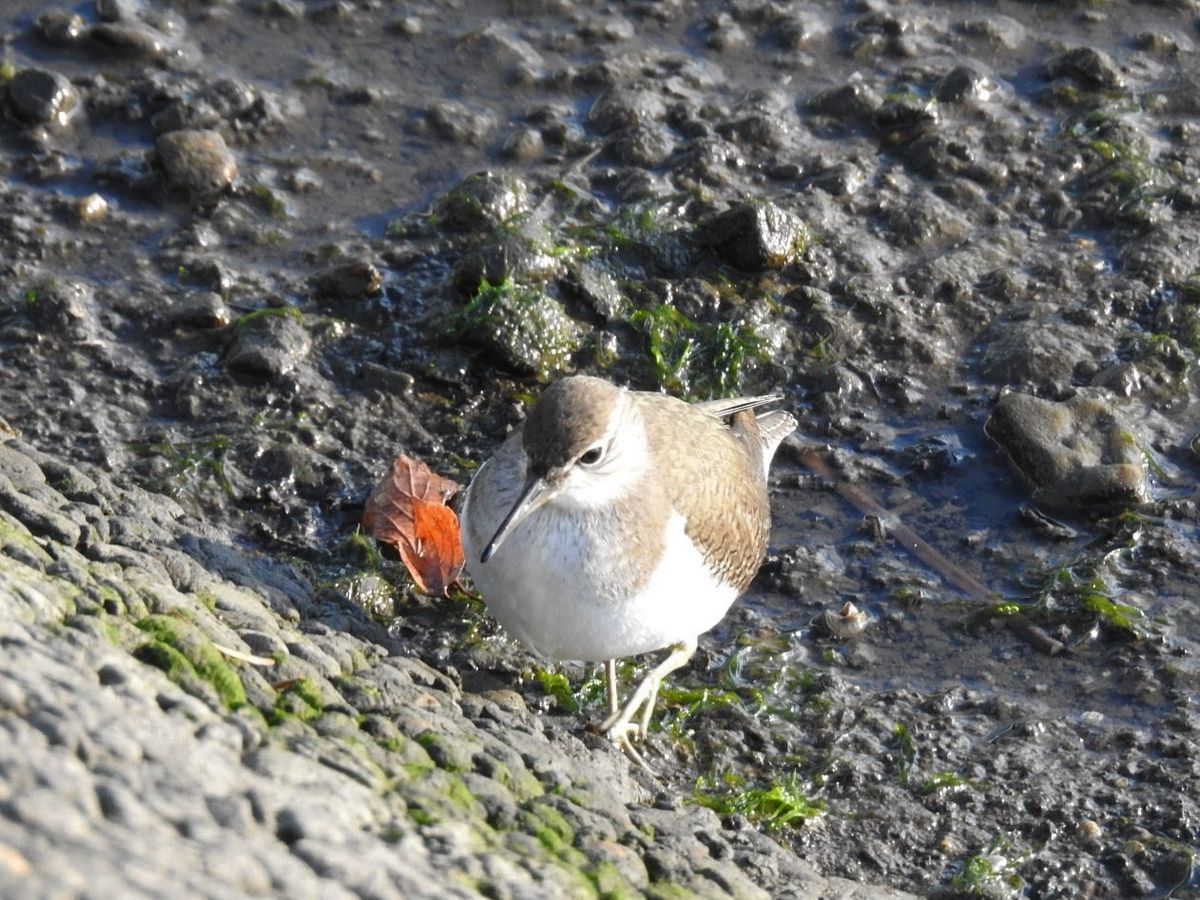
(613, 523)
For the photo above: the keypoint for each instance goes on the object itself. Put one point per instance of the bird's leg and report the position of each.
(648, 708)
(610, 682)
(620, 726)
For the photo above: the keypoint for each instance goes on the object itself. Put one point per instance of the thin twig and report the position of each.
(919, 547)
(244, 657)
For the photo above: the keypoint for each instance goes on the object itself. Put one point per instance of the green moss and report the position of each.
(460, 795)
(111, 632)
(165, 657)
(421, 816)
(365, 546)
(549, 838)
(610, 883)
(299, 699)
(1119, 615)
(555, 821)
(269, 201)
(906, 744)
(416, 771)
(12, 531)
(451, 754)
(171, 638)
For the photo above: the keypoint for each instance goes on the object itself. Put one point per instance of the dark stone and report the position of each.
(753, 236)
(43, 96)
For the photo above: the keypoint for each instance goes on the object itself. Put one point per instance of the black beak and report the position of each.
(533, 495)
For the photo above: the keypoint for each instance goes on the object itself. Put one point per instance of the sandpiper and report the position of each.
(615, 522)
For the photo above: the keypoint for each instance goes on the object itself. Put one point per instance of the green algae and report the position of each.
(556, 685)
(203, 457)
(784, 803)
(287, 311)
(990, 872)
(941, 780)
(180, 650)
(696, 359)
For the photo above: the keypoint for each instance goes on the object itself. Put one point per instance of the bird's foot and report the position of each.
(623, 735)
(623, 726)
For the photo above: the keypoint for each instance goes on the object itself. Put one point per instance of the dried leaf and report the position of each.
(408, 510)
(435, 557)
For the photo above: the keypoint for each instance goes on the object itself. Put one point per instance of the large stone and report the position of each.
(197, 160)
(1076, 453)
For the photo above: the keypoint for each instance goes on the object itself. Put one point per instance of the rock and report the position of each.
(524, 145)
(349, 281)
(645, 145)
(754, 236)
(848, 102)
(960, 84)
(269, 345)
(22, 472)
(197, 161)
(482, 201)
(60, 26)
(452, 121)
(600, 290)
(224, 100)
(529, 330)
(509, 256)
(798, 29)
(999, 30)
(62, 305)
(200, 309)
(622, 106)
(1091, 68)
(1076, 452)
(904, 118)
(119, 10)
(123, 41)
(840, 180)
(1036, 351)
(39, 95)
(91, 209)
(503, 49)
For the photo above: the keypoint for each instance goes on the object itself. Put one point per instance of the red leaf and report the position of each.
(408, 510)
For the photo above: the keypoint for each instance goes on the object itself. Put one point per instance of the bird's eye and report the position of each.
(591, 457)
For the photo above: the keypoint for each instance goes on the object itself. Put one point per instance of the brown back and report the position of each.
(717, 483)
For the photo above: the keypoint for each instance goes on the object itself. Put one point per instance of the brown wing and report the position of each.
(718, 484)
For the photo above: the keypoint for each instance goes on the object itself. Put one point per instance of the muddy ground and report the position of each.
(253, 250)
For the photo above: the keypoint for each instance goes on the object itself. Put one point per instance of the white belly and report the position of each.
(557, 586)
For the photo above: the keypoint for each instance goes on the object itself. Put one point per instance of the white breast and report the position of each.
(556, 584)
